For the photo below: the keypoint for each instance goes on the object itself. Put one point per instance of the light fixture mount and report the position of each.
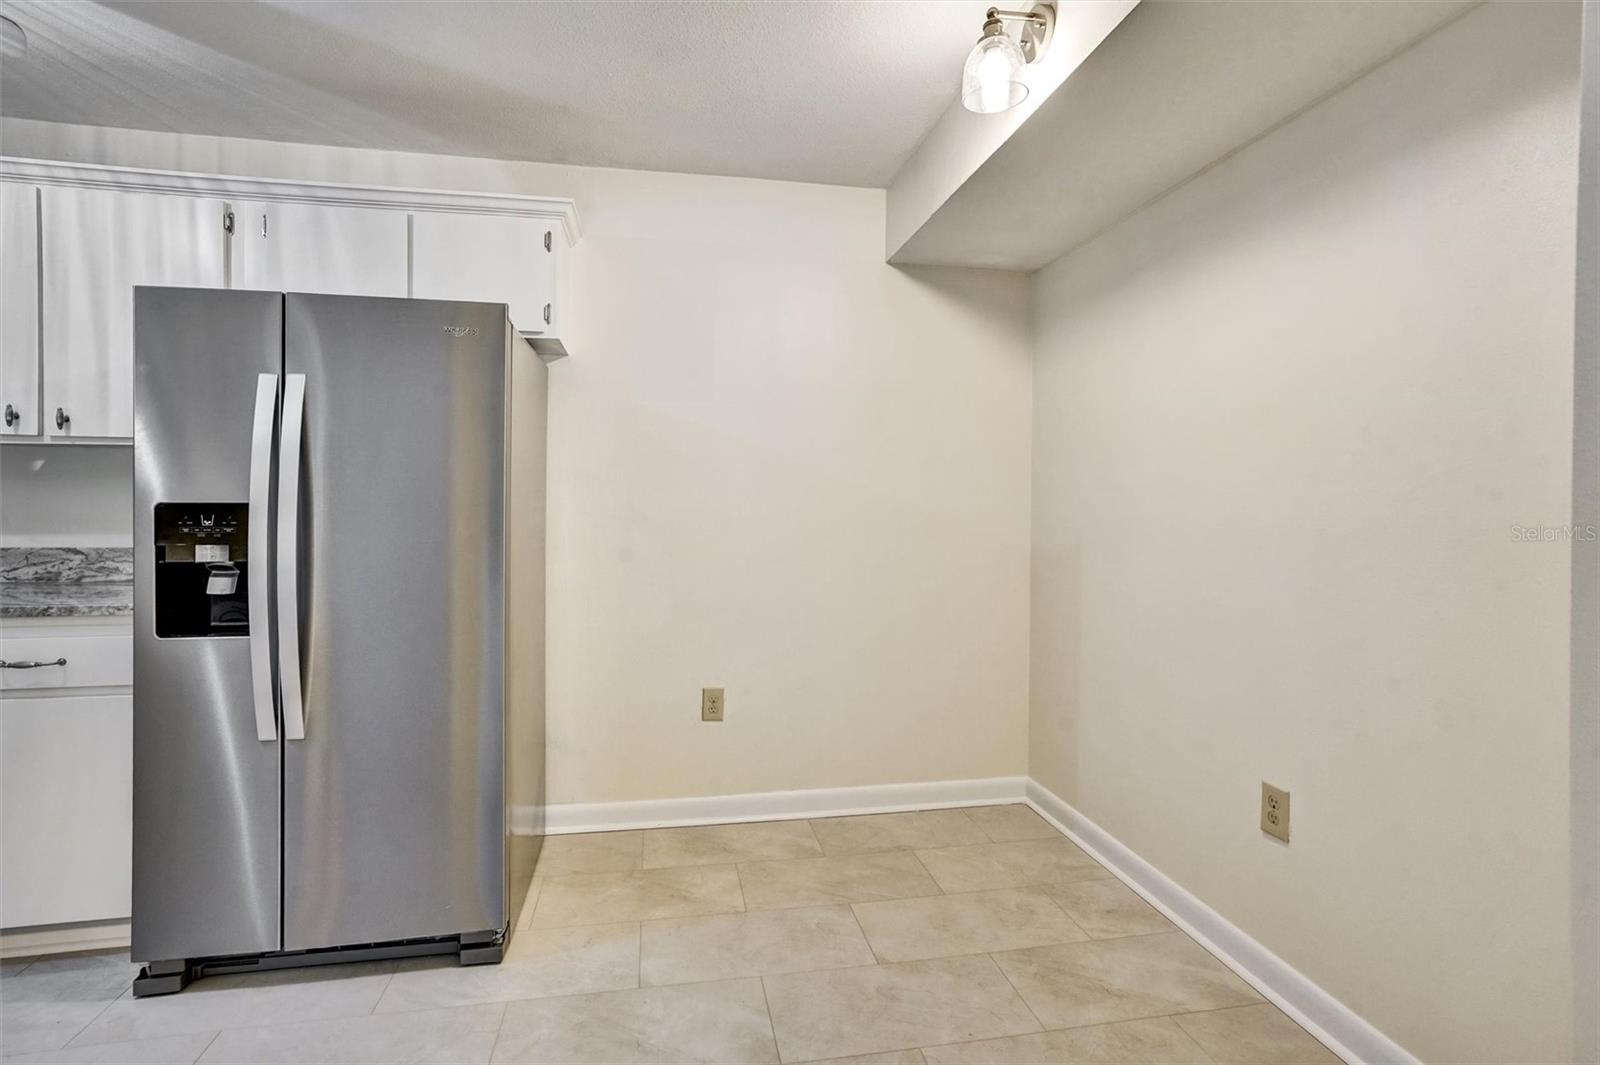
(1038, 26)
(991, 79)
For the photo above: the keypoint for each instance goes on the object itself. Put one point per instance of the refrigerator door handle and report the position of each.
(259, 547)
(294, 408)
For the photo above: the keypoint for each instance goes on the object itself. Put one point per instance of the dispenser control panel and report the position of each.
(208, 532)
(202, 569)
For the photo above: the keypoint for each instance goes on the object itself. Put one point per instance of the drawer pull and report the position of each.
(31, 665)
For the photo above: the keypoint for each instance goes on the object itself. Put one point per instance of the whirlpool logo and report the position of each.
(461, 330)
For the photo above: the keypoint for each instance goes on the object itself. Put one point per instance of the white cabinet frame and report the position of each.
(21, 396)
(559, 214)
(562, 211)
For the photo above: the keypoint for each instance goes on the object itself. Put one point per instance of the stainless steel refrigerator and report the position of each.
(323, 502)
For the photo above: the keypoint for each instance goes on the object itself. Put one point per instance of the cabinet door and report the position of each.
(489, 258)
(296, 247)
(19, 310)
(66, 827)
(97, 246)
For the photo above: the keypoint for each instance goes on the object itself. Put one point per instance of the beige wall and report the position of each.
(1285, 420)
(777, 465)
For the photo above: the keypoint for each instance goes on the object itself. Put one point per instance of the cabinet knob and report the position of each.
(12, 417)
(61, 418)
(547, 314)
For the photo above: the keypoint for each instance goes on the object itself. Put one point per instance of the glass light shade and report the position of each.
(13, 42)
(991, 81)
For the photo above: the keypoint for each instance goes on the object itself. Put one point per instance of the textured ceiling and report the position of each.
(809, 91)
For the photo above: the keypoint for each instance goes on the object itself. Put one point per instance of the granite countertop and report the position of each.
(66, 582)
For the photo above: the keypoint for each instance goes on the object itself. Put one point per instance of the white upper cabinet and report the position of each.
(297, 247)
(76, 239)
(99, 244)
(19, 310)
(491, 259)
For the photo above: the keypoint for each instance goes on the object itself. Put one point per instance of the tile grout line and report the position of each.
(543, 895)
(636, 920)
(876, 957)
(505, 1007)
(1205, 1055)
(1087, 938)
(1206, 1059)
(929, 874)
(812, 828)
(383, 991)
(214, 1037)
(986, 833)
(1015, 990)
(96, 1017)
(772, 1025)
(1241, 1006)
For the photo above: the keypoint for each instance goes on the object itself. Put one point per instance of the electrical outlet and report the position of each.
(711, 704)
(1274, 811)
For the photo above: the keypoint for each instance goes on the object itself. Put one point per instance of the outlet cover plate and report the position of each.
(712, 704)
(1274, 811)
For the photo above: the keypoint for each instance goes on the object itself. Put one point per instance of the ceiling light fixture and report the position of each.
(13, 42)
(991, 81)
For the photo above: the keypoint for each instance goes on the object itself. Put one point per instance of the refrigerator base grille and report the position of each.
(168, 977)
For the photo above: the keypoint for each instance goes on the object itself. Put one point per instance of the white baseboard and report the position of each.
(1343, 1030)
(63, 939)
(768, 805)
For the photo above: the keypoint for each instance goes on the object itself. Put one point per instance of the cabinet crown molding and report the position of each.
(184, 183)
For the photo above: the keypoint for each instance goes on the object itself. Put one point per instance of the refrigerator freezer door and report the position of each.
(205, 785)
(393, 816)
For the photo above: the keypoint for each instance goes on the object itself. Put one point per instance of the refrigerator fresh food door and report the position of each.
(206, 769)
(393, 797)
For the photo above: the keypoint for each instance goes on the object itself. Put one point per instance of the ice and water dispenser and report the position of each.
(202, 569)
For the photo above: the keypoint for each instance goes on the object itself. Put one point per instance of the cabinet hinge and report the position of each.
(227, 221)
(547, 240)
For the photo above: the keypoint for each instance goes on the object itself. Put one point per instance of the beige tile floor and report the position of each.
(977, 935)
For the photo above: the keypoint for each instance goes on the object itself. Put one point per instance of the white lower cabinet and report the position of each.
(66, 820)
